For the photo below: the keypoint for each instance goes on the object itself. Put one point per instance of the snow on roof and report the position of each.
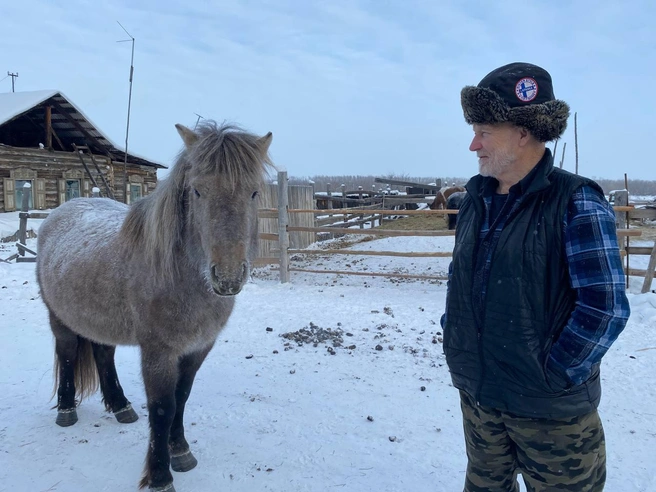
(13, 104)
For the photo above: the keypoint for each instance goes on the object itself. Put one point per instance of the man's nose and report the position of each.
(475, 144)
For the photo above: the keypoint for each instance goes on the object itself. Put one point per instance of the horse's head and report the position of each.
(224, 171)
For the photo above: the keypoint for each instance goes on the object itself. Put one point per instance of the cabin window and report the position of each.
(72, 189)
(19, 193)
(135, 192)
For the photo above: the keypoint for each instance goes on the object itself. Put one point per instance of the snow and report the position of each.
(13, 104)
(297, 420)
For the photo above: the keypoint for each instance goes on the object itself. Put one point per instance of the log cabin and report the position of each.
(48, 142)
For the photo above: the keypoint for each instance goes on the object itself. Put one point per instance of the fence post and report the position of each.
(95, 192)
(283, 221)
(621, 198)
(649, 274)
(23, 215)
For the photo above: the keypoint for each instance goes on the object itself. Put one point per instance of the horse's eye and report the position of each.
(196, 192)
(255, 194)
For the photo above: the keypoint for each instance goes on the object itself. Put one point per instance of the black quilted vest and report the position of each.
(500, 361)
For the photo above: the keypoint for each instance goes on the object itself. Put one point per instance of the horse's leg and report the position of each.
(113, 396)
(182, 459)
(160, 374)
(66, 345)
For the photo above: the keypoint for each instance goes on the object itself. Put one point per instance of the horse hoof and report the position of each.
(126, 415)
(163, 488)
(183, 462)
(66, 418)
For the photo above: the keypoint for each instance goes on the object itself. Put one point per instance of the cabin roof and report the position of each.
(23, 114)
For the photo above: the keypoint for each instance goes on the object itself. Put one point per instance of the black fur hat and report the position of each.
(519, 93)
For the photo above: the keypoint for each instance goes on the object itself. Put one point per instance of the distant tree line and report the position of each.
(368, 183)
(636, 186)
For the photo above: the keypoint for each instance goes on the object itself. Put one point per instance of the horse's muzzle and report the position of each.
(227, 283)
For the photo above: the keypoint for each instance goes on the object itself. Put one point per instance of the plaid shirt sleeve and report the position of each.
(596, 273)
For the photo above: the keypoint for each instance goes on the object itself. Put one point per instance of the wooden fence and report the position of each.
(283, 254)
(286, 231)
(298, 197)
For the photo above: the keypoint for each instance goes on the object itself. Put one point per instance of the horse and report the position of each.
(442, 195)
(453, 203)
(162, 274)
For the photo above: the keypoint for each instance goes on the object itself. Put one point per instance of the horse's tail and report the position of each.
(86, 375)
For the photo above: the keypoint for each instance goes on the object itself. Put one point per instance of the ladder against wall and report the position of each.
(95, 175)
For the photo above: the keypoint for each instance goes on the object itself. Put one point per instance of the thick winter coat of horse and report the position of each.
(161, 274)
(453, 203)
(442, 195)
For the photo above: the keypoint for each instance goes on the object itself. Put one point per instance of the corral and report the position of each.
(289, 226)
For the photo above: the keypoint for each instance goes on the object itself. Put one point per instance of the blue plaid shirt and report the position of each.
(596, 273)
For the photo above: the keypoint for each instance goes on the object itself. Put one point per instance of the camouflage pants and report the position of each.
(564, 454)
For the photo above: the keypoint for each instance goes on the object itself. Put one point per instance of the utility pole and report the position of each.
(576, 147)
(13, 77)
(127, 126)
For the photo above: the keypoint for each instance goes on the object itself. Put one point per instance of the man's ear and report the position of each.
(525, 137)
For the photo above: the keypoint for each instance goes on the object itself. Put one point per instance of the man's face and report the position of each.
(496, 147)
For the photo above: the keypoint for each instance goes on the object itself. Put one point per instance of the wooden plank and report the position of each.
(637, 272)
(369, 253)
(266, 211)
(54, 134)
(371, 274)
(643, 213)
(260, 262)
(21, 246)
(373, 232)
(283, 226)
(86, 168)
(61, 110)
(628, 232)
(28, 259)
(48, 127)
(266, 236)
(12, 257)
(638, 250)
(649, 274)
(402, 199)
(398, 182)
(38, 215)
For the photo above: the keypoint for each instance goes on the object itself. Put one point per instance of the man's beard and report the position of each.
(495, 165)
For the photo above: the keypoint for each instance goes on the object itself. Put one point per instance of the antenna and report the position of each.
(127, 126)
(199, 118)
(13, 76)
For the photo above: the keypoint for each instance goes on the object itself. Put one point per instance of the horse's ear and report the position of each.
(264, 142)
(188, 136)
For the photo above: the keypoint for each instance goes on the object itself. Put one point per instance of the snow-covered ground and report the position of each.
(266, 416)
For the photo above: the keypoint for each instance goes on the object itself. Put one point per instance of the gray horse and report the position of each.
(161, 274)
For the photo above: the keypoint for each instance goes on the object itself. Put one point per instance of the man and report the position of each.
(535, 297)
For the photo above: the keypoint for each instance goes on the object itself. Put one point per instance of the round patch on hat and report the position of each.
(526, 89)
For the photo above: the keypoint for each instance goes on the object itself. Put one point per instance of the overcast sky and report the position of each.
(353, 87)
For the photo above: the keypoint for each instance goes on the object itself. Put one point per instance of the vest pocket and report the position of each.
(559, 383)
